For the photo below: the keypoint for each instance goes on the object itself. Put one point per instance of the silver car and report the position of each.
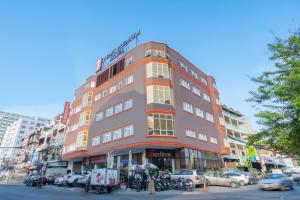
(221, 179)
(276, 182)
(196, 176)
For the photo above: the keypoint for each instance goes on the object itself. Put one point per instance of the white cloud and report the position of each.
(41, 110)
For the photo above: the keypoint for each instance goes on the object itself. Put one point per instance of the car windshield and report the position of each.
(199, 172)
(274, 176)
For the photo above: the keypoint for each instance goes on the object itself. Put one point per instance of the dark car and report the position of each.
(33, 180)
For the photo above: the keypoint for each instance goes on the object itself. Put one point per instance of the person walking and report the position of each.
(151, 177)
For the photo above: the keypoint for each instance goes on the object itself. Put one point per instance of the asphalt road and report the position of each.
(21, 192)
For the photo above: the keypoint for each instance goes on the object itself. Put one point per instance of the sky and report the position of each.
(48, 48)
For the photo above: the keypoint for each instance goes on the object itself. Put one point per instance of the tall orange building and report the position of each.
(149, 104)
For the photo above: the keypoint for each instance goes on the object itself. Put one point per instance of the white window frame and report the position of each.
(109, 112)
(188, 107)
(106, 137)
(209, 117)
(190, 133)
(129, 80)
(99, 116)
(199, 112)
(206, 97)
(128, 104)
(159, 94)
(118, 108)
(185, 84)
(196, 91)
(157, 69)
(96, 140)
(202, 137)
(117, 134)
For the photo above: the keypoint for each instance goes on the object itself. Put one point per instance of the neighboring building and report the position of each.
(151, 105)
(42, 149)
(237, 131)
(14, 134)
(7, 119)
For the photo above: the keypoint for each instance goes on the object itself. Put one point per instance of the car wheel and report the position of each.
(242, 183)
(75, 183)
(233, 184)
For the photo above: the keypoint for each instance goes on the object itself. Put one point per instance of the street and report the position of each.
(21, 192)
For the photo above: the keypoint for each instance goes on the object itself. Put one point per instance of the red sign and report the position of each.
(65, 116)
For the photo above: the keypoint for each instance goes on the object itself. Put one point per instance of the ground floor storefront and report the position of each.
(166, 159)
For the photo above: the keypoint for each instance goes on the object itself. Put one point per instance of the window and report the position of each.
(160, 124)
(190, 133)
(156, 69)
(187, 107)
(196, 91)
(98, 96)
(203, 81)
(199, 112)
(120, 85)
(96, 141)
(86, 99)
(129, 80)
(206, 97)
(218, 101)
(148, 52)
(222, 122)
(112, 89)
(209, 117)
(81, 121)
(117, 134)
(81, 139)
(118, 108)
(202, 137)
(129, 61)
(213, 140)
(109, 112)
(159, 53)
(184, 67)
(158, 94)
(185, 84)
(194, 74)
(99, 116)
(104, 93)
(128, 130)
(93, 84)
(128, 104)
(106, 137)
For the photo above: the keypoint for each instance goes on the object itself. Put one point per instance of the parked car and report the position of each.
(196, 176)
(241, 178)
(33, 180)
(60, 181)
(275, 182)
(252, 177)
(26, 179)
(72, 179)
(83, 180)
(221, 179)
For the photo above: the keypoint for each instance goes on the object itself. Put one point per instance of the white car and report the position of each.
(276, 181)
(241, 178)
(83, 180)
(72, 179)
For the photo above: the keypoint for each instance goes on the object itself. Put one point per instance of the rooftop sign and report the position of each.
(102, 63)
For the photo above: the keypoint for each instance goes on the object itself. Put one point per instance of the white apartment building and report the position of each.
(14, 134)
(7, 119)
(237, 130)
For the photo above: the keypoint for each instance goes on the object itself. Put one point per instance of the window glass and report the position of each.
(159, 94)
(160, 124)
(156, 69)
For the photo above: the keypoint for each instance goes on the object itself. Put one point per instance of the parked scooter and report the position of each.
(182, 184)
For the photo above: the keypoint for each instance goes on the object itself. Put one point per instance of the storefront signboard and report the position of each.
(154, 153)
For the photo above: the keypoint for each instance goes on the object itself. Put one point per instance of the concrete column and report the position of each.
(173, 165)
(144, 159)
(118, 162)
(129, 161)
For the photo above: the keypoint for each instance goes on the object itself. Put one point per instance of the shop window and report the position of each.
(158, 94)
(160, 124)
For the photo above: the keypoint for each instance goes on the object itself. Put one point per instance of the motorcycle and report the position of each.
(182, 184)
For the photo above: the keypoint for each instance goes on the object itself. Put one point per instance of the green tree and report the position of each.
(277, 98)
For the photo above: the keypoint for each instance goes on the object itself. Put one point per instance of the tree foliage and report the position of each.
(278, 98)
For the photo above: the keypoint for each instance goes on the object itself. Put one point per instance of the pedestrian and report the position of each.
(151, 177)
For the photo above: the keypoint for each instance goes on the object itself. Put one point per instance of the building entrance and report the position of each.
(163, 159)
